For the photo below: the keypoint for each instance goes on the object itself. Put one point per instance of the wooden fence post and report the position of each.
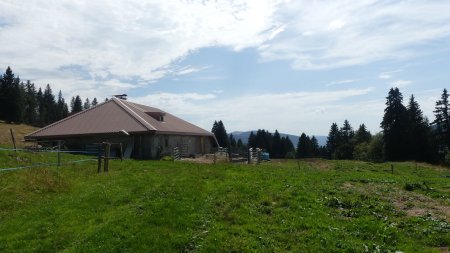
(13, 139)
(107, 153)
(121, 152)
(59, 153)
(99, 158)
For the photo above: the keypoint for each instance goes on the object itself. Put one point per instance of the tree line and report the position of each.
(406, 135)
(274, 144)
(21, 102)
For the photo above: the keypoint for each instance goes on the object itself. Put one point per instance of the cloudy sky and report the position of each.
(296, 66)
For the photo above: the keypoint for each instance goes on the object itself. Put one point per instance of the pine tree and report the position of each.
(395, 126)
(31, 104)
(232, 141)
(362, 135)
(239, 143)
(333, 140)
(276, 146)
(11, 98)
(220, 132)
(94, 102)
(42, 112)
(442, 122)
(287, 148)
(251, 140)
(49, 104)
(62, 109)
(87, 104)
(314, 147)
(76, 105)
(6, 84)
(303, 146)
(17, 100)
(419, 148)
(344, 149)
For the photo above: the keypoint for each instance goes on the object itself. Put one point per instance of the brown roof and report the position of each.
(115, 115)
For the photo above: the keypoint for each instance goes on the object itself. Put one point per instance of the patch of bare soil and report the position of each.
(412, 203)
(207, 158)
(317, 164)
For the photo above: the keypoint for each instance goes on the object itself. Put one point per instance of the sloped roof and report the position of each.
(115, 115)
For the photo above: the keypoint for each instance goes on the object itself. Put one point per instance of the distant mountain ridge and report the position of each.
(322, 140)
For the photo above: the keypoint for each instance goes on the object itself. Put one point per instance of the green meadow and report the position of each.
(277, 206)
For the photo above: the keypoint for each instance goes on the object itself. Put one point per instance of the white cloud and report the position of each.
(189, 70)
(137, 40)
(288, 112)
(388, 74)
(346, 81)
(331, 34)
(401, 83)
(142, 40)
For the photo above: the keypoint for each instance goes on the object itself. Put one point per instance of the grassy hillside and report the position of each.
(19, 132)
(155, 206)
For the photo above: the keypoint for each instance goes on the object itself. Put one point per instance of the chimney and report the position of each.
(121, 96)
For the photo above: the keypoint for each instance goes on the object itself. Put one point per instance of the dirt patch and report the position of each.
(317, 164)
(412, 203)
(207, 159)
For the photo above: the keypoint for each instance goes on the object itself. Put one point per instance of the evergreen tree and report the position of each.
(87, 104)
(263, 140)
(333, 140)
(251, 142)
(362, 135)
(344, 149)
(17, 101)
(42, 112)
(31, 104)
(11, 98)
(303, 146)
(287, 148)
(76, 105)
(395, 126)
(314, 147)
(49, 104)
(6, 84)
(442, 122)
(419, 148)
(94, 102)
(62, 109)
(220, 132)
(232, 141)
(239, 143)
(276, 146)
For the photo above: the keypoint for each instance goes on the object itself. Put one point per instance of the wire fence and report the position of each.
(22, 158)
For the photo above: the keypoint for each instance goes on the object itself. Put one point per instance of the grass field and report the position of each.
(279, 206)
(19, 132)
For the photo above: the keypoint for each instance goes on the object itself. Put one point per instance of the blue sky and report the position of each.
(296, 66)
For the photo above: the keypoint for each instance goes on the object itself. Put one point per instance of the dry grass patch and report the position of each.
(19, 132)
(412, 203)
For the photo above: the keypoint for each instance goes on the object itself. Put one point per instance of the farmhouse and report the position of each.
(145, 132)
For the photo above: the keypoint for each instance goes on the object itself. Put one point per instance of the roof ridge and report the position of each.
(67, 118)
(133, 113)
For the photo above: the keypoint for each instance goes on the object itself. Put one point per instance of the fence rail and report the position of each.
(102, 152)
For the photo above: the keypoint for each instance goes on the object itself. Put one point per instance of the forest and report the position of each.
(406, 133)
(23, 102)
